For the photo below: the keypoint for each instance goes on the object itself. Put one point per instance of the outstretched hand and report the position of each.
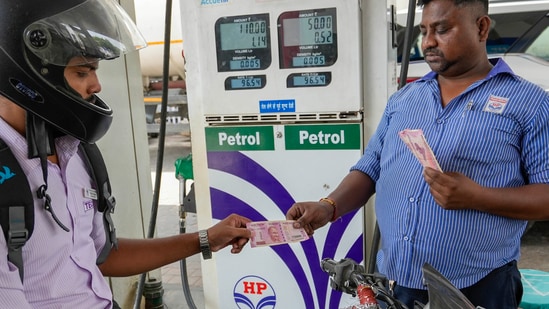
(310, 215)
(229, 231)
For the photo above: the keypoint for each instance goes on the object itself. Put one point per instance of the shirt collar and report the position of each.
(66, 146)
(500, 67)
(15, 141)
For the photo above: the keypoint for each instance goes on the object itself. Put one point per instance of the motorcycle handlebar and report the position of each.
(346, 275)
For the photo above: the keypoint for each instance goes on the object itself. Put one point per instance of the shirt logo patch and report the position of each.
(90, 193)
(88, 205)
(496, 104)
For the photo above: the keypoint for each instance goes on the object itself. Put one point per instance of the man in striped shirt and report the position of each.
(489, 130)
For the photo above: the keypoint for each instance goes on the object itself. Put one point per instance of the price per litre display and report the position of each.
(307, 38)
(243, 43)
(245, 82)
(319, 79)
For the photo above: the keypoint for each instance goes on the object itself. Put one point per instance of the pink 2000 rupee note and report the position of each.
(269, 233)
(416, 142)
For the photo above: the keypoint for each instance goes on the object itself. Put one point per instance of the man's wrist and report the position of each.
(204, 244)
(334, 206)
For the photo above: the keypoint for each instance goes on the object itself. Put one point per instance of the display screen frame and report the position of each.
(251, 23)
(298, 29)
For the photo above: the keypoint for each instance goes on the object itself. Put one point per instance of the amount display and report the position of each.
(245, 82)
(243, 43)
(307, 38)
(315, 30)
(243, 35)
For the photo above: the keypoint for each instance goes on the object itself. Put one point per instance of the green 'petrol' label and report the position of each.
(325, 136)
(240, 138)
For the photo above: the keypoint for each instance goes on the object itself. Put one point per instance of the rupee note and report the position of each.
(416, 142)
(269, 233)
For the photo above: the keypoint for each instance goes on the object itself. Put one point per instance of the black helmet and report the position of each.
(37, 40)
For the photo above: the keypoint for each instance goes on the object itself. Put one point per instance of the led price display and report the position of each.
(245, 82)
(309, 80)
(319, 79)
(243, 43)
(307, 38)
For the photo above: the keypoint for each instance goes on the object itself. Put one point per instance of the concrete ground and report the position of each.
(168, 223)
(534, 249)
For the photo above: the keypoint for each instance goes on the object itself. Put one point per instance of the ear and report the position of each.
(483, 24)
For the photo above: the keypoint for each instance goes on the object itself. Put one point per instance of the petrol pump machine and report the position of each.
(275, 94)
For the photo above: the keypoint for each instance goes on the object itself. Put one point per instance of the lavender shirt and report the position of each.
(60, 267)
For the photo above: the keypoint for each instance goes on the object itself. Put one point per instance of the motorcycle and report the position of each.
(349, 277)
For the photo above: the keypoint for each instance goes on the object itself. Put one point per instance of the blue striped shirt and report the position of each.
(497, 133)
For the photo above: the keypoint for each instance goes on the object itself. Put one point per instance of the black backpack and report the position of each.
(17, 202)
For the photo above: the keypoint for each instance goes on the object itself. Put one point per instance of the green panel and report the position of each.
(324, 136)
(240, 138)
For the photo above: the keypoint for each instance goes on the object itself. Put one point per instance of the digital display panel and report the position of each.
(315, 79)
(308, 30)
(243, 35)
(307, 38)
(245, 82)
(245, 64)
(308, 61)
(243, 42)
(310, 80)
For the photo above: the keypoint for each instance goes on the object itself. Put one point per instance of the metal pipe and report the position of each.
(161, 142)
(405, 58)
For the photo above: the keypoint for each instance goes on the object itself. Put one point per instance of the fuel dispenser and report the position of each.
(282, 96)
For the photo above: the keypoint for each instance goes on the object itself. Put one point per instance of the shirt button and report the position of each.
(440, 121)
(406, 238)
(412, 200)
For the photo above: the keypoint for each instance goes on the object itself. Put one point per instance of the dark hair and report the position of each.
(484, 3)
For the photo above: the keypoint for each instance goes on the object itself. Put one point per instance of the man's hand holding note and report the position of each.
(418, 145)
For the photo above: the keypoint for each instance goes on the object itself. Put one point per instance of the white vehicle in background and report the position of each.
(519, 34)
(529, 55)
(151, 20)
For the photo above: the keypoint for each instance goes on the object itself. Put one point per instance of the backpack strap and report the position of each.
(16, 210)
(106, 201)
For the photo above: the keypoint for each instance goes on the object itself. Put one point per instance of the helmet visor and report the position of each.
(99, 29)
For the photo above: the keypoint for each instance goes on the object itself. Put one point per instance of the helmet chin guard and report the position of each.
(39, 40)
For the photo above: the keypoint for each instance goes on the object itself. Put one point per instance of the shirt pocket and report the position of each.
(487, 138)
(82, 205)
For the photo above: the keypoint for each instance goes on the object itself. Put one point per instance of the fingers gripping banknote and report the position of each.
(269, 233)
(416, 142)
